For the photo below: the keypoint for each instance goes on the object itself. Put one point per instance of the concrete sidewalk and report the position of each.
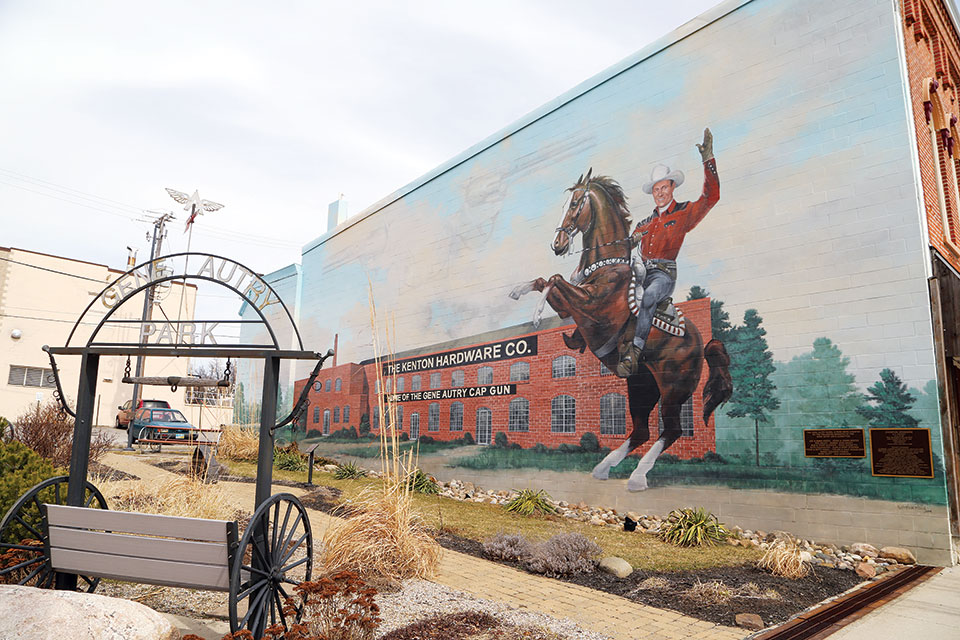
(930, 611)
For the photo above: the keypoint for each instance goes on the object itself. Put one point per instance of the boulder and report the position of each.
(866, 571)
(616, 566)
(864, 550)
(36, 613)
(749, 621)
(901, 555)
(597, 521)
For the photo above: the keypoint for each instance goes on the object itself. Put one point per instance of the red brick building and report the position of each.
(529, 386)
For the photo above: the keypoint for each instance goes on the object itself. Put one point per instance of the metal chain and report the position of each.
(126, 369)
(226, 371)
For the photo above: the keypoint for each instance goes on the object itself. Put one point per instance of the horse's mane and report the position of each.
(615, 193)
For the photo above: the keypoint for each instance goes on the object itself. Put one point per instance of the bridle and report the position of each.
(571, 230)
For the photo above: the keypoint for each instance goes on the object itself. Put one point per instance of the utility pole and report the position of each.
(158, 235)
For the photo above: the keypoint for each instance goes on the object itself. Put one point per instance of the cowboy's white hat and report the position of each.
(663, 172)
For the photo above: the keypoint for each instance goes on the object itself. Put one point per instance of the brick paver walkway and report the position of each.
(593, 610)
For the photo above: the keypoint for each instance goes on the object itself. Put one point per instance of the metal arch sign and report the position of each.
(244, 282)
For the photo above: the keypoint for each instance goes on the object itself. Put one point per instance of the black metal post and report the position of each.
(310, 468)
(268, 418)
(80, 454)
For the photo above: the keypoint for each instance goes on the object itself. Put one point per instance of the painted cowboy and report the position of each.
(659, 237)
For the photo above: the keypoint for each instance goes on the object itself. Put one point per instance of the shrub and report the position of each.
(693, 528)
(563, 555)
(714, 457)
(540, 448)
(48, 432)
(566, 447)
(21, 468)
(422, 483)
(500, 440)
(668, 458)
(289, 458)
(427, 440)
(589, 442)
(468, 438)
(364, 424)
(349, 471)
(528, 502)
(507, 546)
(783, 559)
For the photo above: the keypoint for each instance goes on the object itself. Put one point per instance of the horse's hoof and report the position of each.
(637, 484)
(521, 290)
(601, 475)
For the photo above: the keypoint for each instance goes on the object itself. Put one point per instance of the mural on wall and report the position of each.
(614, 299)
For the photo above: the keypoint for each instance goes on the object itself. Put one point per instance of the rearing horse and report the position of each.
(596, 299)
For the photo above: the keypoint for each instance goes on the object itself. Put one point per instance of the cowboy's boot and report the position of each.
(630, 357)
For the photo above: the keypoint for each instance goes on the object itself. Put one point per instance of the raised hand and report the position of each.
(706, 149)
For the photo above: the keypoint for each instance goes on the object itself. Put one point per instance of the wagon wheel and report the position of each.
(23, 535)
(275, 554)
(151, 436)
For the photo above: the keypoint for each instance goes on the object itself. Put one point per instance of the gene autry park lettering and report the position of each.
(492, 352)
(457, 393)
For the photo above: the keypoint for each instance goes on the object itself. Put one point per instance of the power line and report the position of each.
(62, 273)
(70, 191)
(79, 204)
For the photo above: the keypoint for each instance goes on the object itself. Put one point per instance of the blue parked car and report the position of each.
(161, 424)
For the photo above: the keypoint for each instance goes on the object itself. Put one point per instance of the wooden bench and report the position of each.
(141, 547)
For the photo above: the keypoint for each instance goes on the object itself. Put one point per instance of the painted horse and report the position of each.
(597, 300)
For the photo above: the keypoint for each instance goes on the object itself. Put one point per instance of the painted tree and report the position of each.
(828, 395)
(239, 405)
(887, 403)
(751, 365)
(720, 325)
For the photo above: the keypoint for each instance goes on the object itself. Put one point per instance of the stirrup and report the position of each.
(630, 359)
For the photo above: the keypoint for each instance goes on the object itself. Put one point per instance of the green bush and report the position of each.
(528, 502)
(693, 528)
(20, 469)
(422, 483)
(500, 440)
(403, 436)
(468, 438)
(289, 459)
(589, 442)
(540, 448)
(349, 471)
(364, 424)
(714, 458)
(427, 440)
(566, 447)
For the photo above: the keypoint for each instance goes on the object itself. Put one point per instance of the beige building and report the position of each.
(41, 298)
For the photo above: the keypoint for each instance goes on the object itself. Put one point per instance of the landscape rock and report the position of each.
(596, 520)
(864, 549)
(901, 555)
(866, 571)
(616, 566)
(36, 613)
(749, 621)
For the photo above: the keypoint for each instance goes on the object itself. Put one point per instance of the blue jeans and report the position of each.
(657, 285)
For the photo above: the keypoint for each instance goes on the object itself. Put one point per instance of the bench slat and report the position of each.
(112, 544)
(143, 523)
(161, 572)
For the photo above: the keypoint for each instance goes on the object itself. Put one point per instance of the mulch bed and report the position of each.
(465, 625)
(795, 595)
(100, 470)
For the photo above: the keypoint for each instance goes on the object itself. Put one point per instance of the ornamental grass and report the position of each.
(182, 496)
(239, 442)
(783, 559)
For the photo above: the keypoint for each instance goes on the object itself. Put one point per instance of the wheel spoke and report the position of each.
(283, 530)
(90, 499)
(255, 570)
(243, 594)
(56, 492)
(293, 530)
(21, 565)
(45, 579)
(258, 622)
(273, 607)
(33, 573)
(259, 552)
(276, 521)
(295, 564)
(37, 502)
(289, 581)
(283, 618)
(28, 526)
(253, 606)
(292, 549)
(21, 547)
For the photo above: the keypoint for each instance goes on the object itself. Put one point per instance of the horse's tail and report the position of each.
(719, 385)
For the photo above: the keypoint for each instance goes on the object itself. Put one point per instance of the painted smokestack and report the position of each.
(336, 213)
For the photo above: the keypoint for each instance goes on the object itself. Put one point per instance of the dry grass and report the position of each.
(239, 443)
(384, 536)
(655, 583)
(178, 496)
(713, 592)
(783, 559)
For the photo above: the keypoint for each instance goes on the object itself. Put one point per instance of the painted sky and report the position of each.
(817, 226)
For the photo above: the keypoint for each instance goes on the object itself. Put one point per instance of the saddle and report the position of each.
(666, 317)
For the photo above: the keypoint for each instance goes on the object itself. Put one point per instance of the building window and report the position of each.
(519, 419)
(326, 421)
(563, 414)
(456, 416)
(338, 384)
(433, 417)
(318, 386)
(604, 371)
(564, 367)
(399, 418)
(456, 378)
(686, 418)
(485, 375)
(519, 372)
(30, 377)
(376, 417)
(484, 425)
(376, 386)
(415, 383)
(944, 164)
(316, 415)
(336, 414)
(613, 414)
(346, 413)
(400, 385)
(435, 380)
(414, 426)
(326, 386)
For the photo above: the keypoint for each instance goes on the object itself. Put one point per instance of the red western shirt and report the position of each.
(661, 234)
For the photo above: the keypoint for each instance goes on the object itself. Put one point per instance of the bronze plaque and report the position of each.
(904, 453)
(834, 443)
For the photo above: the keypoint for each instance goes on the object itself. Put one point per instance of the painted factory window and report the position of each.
(456, 416)
(326, 421)
(613, 414)
(414, 426)
(433, 417)
(326, 385)
(520, 372)
(686, 419)
(400, 417)
(435, 380)
(400, 385)
(415, 383)
(336, 414)
(376, 418)
(456, 380)
(485, 375)
(604, 371)
(564, 367)
(346, 413)
(563, 412)
(376, 385)
(318, 386)
(316, 415)
(338, 384)
(519, 415)
(388, 386)
(484, 425)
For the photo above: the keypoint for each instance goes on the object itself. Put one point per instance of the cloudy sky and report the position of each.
(273, 112)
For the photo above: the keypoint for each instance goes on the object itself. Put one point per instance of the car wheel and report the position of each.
(119, 426)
